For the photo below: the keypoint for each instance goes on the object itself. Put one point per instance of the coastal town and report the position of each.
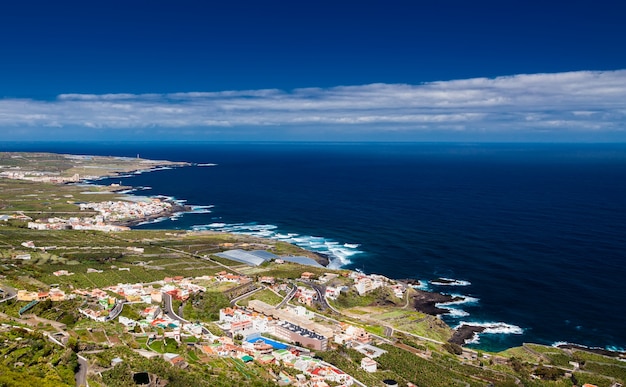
(111, 213)
(208, 308)
(259, 332)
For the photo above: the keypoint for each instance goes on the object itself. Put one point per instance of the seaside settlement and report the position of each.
(286, 334)
(219, 309)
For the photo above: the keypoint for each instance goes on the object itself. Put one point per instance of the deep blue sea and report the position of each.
(535, 234)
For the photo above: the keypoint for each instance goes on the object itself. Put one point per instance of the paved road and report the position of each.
(117, 309)
(168, 309)
(169, 312)
(321, 294)
(8, 293)
(81, 375)
(288, 297)
(234, 300)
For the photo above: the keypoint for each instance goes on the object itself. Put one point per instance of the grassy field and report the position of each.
(265, 295)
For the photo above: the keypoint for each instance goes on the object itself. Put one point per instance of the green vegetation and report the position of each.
(351, 298)
(205, 306)
(219, 373)
(29, 359)
(265, 295)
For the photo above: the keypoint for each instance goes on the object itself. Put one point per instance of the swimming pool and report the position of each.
(273, 343)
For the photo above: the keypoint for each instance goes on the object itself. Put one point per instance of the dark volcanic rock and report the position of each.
(464, 332)
(425, 302)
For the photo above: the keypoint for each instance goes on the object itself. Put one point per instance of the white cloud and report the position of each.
(573, 101)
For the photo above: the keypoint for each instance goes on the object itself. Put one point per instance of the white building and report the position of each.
(368, 364)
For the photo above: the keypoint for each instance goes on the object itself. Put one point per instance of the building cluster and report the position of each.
(286, 325)
(178, 287)
(245, 326)
(110, 211)
(53, 294)
(114, 211)
(305, 295)
(224, 276)
(45, 177)
(365, 283)
(352, 335)
(313, 372)
(74, 223)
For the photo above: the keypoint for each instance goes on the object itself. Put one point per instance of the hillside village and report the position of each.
(248, 329)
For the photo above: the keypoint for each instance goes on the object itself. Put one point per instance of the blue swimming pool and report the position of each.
(273, 343)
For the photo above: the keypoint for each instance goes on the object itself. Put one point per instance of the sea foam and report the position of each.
(452, 306)
(338, 254)
(495, 327)
(450, 282)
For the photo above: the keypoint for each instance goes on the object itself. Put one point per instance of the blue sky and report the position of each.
(319, 70)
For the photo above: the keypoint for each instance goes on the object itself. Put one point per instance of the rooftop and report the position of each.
(247, 257)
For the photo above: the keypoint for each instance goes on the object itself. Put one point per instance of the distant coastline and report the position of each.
(401, 239)
(424, 301)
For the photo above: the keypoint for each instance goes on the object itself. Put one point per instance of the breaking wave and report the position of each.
(611, 348)
(337, 253)
(493, 328)
(449, 282)
(453, 306)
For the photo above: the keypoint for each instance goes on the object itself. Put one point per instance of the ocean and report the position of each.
(534, 235)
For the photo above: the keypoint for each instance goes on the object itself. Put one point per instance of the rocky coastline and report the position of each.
(464, 333)
(173, 210)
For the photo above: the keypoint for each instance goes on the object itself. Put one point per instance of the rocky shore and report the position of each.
(599, 351)
(464, 333)
(425, 302)
(174, 209)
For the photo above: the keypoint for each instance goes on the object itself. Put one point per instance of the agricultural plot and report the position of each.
(264, 295)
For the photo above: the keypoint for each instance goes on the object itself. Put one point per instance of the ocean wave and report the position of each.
(453, 312)
(339, 254)
(611, 348)
(206, 165)
(141, 171)
(460, 300)
(452, 306)
(156, 220)
(475, 339)
(423, 285)
(201, 209)
(449, 282)
(495, 328)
